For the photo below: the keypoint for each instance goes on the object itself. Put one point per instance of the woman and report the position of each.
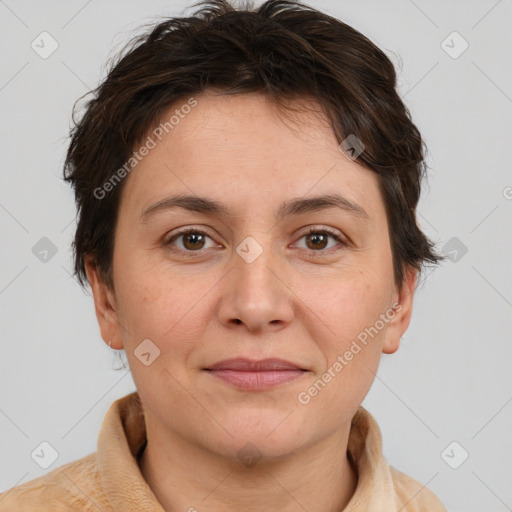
(246, 184)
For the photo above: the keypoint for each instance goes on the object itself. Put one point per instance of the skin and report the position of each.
(215, 305)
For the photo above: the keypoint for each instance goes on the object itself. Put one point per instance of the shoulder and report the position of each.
(71, 487)
(414, 496)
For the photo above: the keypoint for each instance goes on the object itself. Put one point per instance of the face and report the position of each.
(253, 279)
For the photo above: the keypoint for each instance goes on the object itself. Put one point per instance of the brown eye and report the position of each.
(192, 240)
(317, 240)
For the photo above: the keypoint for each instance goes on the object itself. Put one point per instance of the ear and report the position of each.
(105, 306)
(399, 320)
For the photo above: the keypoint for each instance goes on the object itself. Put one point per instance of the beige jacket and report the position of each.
(110, 480)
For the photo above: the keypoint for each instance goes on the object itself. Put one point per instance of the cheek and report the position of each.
(167, 307)
(155, 308)
(140, 299)
(350, 349)
(350, 304)
(161, 311)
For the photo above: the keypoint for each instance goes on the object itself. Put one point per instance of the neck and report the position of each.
(186, 477)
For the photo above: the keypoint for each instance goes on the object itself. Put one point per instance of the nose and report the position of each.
(256, 292)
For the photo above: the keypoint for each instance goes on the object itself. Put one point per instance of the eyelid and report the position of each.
(319, 229)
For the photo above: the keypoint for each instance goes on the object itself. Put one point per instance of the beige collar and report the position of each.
(123, 436)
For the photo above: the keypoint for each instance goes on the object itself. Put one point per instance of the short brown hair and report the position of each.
(284, 49)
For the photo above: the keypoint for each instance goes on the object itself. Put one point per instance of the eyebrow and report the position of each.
(295, 206)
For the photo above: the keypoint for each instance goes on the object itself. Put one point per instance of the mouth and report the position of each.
(252, 365)
(256, 375)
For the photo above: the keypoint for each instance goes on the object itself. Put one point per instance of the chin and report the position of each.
(271, 436)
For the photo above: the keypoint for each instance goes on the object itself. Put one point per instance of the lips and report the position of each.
(253, 375)
(250, 365)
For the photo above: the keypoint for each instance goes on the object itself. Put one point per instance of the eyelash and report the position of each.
(319, 253)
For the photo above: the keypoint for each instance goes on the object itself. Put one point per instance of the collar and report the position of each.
(122, 439)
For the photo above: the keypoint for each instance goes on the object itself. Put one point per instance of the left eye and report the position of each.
(318, 238)
(194, 240)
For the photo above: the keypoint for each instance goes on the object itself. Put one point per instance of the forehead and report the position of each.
(241, 124)
(242, 149)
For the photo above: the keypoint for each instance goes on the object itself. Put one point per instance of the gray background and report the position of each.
(449, 381)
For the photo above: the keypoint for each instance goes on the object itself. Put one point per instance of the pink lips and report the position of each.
(256, 375)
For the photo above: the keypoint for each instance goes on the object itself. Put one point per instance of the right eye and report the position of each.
(193, 240)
